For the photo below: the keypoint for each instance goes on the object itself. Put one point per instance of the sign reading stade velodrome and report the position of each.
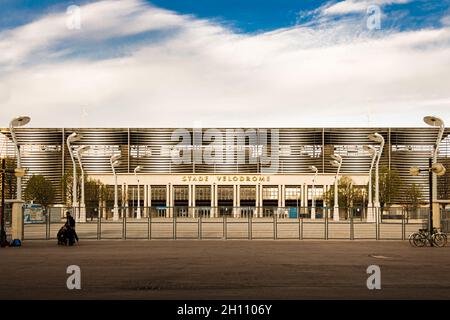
(227, 146)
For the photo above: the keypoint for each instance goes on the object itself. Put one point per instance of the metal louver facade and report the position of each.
(44, 151)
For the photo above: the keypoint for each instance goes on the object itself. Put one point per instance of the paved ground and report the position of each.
(224, 270)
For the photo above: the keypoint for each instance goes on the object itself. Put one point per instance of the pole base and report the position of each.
(115, 214)
(336, 214)
(3, 239)
(370, 215)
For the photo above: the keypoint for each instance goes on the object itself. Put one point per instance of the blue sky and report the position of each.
(244, 15)
(225, 62)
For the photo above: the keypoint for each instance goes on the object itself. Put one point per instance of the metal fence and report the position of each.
(445, 220)
(234, 223)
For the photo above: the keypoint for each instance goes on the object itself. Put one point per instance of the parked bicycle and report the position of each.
(424, 237)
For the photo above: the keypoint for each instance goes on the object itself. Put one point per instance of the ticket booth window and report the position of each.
(181, 200)
(158, 196)
(270, 200)
(247, 196)
(293, 202)
(225, 200)
(270, 193)
(203, 195)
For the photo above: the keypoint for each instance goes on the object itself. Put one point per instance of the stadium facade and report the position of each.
(227, 167)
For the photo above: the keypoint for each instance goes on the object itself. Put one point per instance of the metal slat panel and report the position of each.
(299, 149)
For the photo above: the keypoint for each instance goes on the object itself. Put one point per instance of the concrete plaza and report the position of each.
(115, 269)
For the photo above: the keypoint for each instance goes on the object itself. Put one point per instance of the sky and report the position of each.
(203, 63)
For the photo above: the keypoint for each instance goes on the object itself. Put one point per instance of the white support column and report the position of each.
(234, 201)
(238, 195)
(216, 200)
(307, 190)
(300, 198)
(104, 211)
(122, 201)
(255, 213)
(190, 201)
(189, 198)
(193, 200)
(99, 212)
(171, 200)
(149, 200)
(211, 212)
(280, 200)
(168, 201)
(261, 199)
(126, 201)
(145, 200)
(328, 187)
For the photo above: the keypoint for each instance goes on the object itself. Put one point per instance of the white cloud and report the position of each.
(203, 72)
(352, 6)
(100, 21)
(446, 21)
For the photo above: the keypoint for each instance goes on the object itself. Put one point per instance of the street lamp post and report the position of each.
(336, 162)
(18, 122)
(3, 241)
(114, 164)
(433, 169)
(376, 137)
(370, 213)
(72, 138)
(313, 203)
(82, 217)
(18, 173)
(138, 213)
(435, 122)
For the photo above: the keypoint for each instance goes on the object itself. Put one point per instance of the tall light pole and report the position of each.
(14, 123)
(435, 122)
(370, 213)
(72, 138)
(114, 164)
(433, 169)
(82, 217)
(4, 171)
(138, 213)
(313, 203)
(337, 163)
(376, 137)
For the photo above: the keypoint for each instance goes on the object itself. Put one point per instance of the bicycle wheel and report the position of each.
(419, 240)
(411, 238)
(439, 239)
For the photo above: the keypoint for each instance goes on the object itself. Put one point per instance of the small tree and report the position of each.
(95, 191)
(412, 198)
(67, 186)
(9, 179)
(346, 193)
(390, 184)
(40, 190)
